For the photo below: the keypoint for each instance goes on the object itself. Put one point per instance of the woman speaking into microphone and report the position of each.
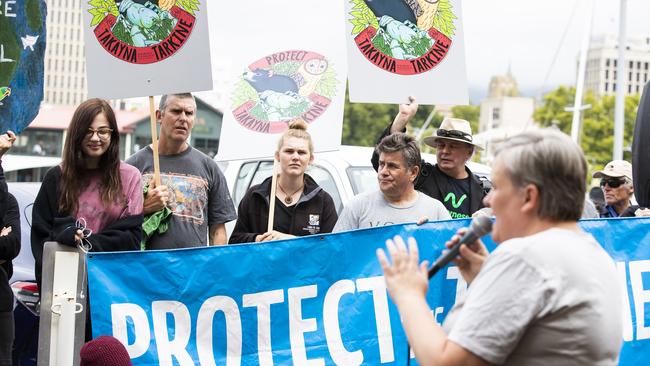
(547, 295)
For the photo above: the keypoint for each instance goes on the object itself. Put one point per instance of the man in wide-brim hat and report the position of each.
(449, 180)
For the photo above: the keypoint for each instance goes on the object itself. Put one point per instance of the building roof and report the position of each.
(58, 118)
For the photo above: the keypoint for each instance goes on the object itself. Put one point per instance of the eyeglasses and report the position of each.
(612, 183)
(103, 133)
(454, 134)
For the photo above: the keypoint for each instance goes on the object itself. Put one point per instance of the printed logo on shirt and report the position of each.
(452, 196)
(314, 219)
(188, 195)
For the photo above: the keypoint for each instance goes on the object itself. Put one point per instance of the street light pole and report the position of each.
(580, 83)
(619, 110)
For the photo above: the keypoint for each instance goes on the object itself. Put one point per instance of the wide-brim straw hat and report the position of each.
(454, 129)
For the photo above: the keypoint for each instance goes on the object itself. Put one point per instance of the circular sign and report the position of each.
(283, 87)
(143, 31)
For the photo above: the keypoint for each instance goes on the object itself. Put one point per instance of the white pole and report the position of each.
(65, 346)
(621, 84)
(582, 66)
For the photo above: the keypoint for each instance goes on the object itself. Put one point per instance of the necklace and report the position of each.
(287, 197)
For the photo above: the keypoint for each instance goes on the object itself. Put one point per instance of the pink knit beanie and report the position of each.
(104, 351)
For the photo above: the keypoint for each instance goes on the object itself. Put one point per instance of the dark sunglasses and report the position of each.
(612, 183)
(454, 134)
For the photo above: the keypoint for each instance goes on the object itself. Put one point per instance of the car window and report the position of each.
(251, 174)
(325, 180)
(246, 171)
(363, 179)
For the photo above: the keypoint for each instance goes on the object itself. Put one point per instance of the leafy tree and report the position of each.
(470, 113)
(597, 132)
(363, 123)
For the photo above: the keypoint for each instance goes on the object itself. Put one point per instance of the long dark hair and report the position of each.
(73, 168)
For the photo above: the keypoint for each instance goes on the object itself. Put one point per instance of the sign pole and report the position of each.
(274, 184)
(154, 142)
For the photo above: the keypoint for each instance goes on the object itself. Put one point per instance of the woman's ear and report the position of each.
(531, 198)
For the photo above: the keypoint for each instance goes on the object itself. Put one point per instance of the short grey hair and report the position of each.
(403, 143)
(163, 100)
(552, 162)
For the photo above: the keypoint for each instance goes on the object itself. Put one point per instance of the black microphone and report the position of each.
(480, 226)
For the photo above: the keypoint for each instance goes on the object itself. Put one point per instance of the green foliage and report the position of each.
(379, 41)
(162, 29)
(328, 83)
(101, 8)
(286, 68)
(444, 18)
(421, 45)
(597, 133)
(190, 6)
(10, 42)
(363, 123)
(362, 17)
(120, 32)
(34, 17)
(243, 92)
(470, 113)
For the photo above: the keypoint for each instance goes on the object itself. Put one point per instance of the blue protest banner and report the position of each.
(317, 300)
(22, 49)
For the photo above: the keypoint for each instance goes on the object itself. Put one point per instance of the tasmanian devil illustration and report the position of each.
(265, 80)
(401, 10)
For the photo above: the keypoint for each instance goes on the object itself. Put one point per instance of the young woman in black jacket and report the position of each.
(91, 189)
(302, 207)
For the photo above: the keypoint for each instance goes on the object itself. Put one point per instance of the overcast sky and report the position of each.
(527, 33)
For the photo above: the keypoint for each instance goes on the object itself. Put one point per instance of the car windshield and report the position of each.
(362, 178)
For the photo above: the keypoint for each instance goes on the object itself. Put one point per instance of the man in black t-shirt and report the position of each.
(449, 180)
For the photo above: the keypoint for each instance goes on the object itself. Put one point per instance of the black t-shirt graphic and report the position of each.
(456, 198)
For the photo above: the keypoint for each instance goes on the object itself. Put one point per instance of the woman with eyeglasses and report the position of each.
(302, 207)
(92, 198)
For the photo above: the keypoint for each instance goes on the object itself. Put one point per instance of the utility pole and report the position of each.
(580, 83)
(621, 84)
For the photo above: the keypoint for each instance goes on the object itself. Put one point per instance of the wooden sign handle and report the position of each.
(154, 142)
(274, 184)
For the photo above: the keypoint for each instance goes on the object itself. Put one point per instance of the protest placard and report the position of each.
(136, 48)
(22, 49)
(287, 63)
(406, 47)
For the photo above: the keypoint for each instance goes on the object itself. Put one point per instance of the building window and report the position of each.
(613, 87)
(631, 64)
(39, 142)
(629, 89)
(637, 89)
(646, 65)
(606, 87)
(206, 146)
(607, 62)
(629, 76)
(638, 76)
(638, 64)
(606, 74)
(615, 62)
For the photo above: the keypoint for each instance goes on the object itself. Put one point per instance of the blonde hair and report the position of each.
(297, 129)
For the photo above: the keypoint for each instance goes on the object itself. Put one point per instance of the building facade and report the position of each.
(504, 113)
(602, 60)
(65, 60)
